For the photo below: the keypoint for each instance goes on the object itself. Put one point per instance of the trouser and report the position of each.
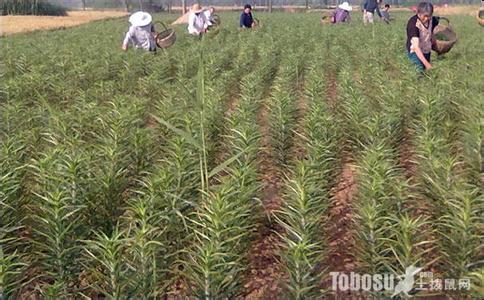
(416, 61)
(368, 17)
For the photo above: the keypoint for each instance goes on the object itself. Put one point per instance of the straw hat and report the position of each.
(196, 8)
(345, 6)
(140, 18)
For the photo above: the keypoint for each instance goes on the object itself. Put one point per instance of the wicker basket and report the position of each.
(216, 20)
(444, 46)
(326, 20)
(480, 16)
(165, 38)
(256, 24)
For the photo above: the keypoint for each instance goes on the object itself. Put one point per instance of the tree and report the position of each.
(184, 6)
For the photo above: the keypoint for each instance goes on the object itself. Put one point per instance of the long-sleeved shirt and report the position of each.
(371, 6)
(340, 15)
(246, 20)
(141, 37)
(385, 15)
(197, 23)
(208, 16)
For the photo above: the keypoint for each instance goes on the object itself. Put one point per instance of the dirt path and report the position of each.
(406, 155)
(339, 229)
(265, 273)
(341, 241)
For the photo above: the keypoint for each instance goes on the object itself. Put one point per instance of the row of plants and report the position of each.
(304, 212)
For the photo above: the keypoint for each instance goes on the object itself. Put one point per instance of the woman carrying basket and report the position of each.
(419, 36)
(140, 33)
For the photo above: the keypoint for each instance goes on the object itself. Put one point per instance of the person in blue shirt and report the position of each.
(246, 20)
(369, 10)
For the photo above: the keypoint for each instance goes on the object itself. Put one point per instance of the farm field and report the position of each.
(247, 164)
(18, 24)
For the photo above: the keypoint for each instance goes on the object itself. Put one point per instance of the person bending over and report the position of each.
(419, 36)
(141, 32)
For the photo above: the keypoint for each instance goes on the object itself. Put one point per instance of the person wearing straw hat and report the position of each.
(140, 33)
(419, 36)
(342, 13)
(197, 21)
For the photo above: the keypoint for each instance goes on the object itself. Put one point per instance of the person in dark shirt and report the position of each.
(246, 20)
(385, 14)
(369, 10)
(419, 36)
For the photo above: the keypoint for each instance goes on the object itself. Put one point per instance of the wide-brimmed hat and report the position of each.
(346, 6)
(196, 8)
(140, 18)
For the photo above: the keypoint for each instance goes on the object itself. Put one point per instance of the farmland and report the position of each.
(247, 164)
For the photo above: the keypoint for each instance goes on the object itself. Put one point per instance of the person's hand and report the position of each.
(124, 47)
(428, 66)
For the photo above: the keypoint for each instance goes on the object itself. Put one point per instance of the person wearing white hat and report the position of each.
(197, 21)
(342, 13)
(140, 33)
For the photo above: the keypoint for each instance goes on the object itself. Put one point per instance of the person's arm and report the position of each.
(435, 22)
(127, 38)
(364, 6)
(416, 48)
(191, 24)
(208, 18)
(242, 19)
(378, 10)
(206, 21)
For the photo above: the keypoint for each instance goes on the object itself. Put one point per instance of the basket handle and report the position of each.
(162, 24)
(444, 18)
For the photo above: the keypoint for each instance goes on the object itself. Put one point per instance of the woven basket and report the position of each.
(256, 24)
(165, 38)
(480, 16)
(216, 20)
(325, 20)
(444, 46)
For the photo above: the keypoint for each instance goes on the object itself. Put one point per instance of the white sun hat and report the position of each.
(140, 18)
(345, 6)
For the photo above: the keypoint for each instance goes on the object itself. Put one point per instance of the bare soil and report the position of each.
(265, 273)
(340, 227)
(341, 241)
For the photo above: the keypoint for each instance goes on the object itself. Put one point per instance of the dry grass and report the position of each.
(19, 24)
(457, 10)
